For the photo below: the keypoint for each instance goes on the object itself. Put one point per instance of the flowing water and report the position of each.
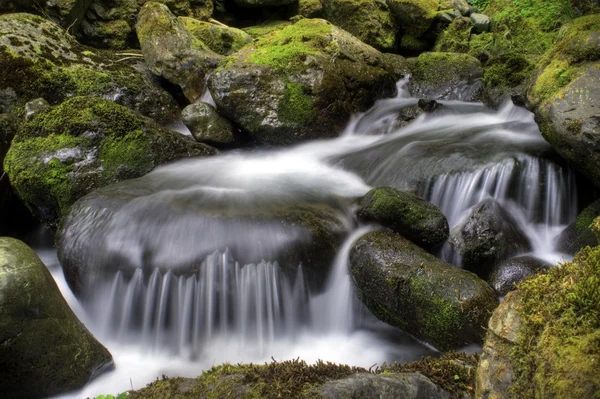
(156, 318)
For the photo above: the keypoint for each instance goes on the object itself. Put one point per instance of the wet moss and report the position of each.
(126, 155)
(220, 39)
(296, 106)
(163, 22)
(507, 70)
(257, 31)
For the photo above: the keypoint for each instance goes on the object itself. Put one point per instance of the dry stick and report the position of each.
(214, 21)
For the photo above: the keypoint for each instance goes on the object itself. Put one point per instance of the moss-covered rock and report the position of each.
(262, 3)
(405, 213)
(505, 75)
(219, 38)
(169, 50)
(45, 350)
(409, 288)
(301, 82)
(414, 16)
(207, 126)
(446, 76)
(83, 144)
(579, 234)
(66, 13)
(265, 28)
(41, 60)
(368, 20)
(310, 8)
(507, 274)
(566, 95)
(455, 38)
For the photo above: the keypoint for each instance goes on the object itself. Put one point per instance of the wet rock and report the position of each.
(579, 234)
(481, 23)
(83, 144)
(45, 62)
(207, 126)
(405, 213)
(428, 105)
(396, 65)
(414, 16)
(221, 39)
(409, 288)
(446, 76)
(300, 82)
(169, 51)
(35, 107)
(368, 20)
(45, 350)
(487, 236)
(508, 273)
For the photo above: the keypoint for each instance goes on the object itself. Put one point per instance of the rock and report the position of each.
(428, 105)
(207, 126)
(579, 234)
(67, 13)
(565, 96)
(411, 46)
(508, 273)
(396, 65)
(300, 82)
(262, 3)
(169, 52)
(481, 23)
(415, 17)
(405, 213)
(257, 31)
(368, 20)
(487, 236)
(411, 289)
(446, 76)
(83, 144)
(455, 38)
(462, 6)
(221, 39)
(35, 107)
(310, 8)
(45, 62)
(45, 350)
(506, 75)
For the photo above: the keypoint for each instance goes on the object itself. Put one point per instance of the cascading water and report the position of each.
(159, 316)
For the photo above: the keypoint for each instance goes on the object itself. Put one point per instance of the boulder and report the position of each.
(207, 126)
(368, 20)
(300, 82)
(83, 144)
(579, 234)
(310, 8)
(446, 76)
(415, 17)
(481, 22)
(405, 213)
(169, 51)
(45, 349)
(508, 273)
(46, 63)
(219, 38)
(486, 236)
(411, 289)
(565, 96)
(66, 13)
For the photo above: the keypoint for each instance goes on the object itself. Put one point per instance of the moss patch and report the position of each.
(266, 28)
(296, 106)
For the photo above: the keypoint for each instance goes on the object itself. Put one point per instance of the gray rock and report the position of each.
(487, 236)
(40, 335)
(212, 36)
(481, 23)
(508, 273)
(578, 234)
(35, 107)
(207, 126)
(411, 289)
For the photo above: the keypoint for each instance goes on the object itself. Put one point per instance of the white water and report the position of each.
(164, 322)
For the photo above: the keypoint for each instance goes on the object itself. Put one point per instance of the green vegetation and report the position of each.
(480, 4)
(119, 396)
(296, 105)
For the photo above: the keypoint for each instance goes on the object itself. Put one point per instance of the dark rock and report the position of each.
(405, 213)
(67, 13)
(487, 236)
(414, 16)
(45, 350)
(508, 273)
(578, 234)
(221, 39)
(207, 126)
(429, 105)
(409, 288)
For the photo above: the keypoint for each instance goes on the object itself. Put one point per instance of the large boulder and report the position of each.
(566, 95)
(300, 82)
(368, 20)
(446, 76)
(415, 17)
(411, 289)
(219, 38)
(508, 273)
(45, 349)
(579, 234)
(486, 236)
(40, 60)
(83, 144)
(405, 213)
(169, 51)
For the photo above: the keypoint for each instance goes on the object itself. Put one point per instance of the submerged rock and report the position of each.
(579, 234)
(411, 289)
(487, 236)
(405, 213)
(43, 62)
(300, 82)
(83, 144)
(45, 350)
(508, 273)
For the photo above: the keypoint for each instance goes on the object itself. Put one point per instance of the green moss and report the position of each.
(507, 70)
(163, 22)
(257, 31)
(437, 68)
(131, 152)
(296, 105)
(220, 39)
(554, 77)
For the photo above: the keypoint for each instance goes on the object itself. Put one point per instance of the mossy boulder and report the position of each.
(263, 3)
(579, 234)
(207, 126)
(310, 8)
(411, 289)
(219, 38)
(265, 28)
(45, 349)
(415, 17)
(42, 60)
(566, 95)
(405, 213)
(83, 144)
(507, 274)
(486, 236)
(506, 75)
(455, 38)
(446, 76)
(300, 82)
(66, 13)
(368, 20)
(169, 50)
